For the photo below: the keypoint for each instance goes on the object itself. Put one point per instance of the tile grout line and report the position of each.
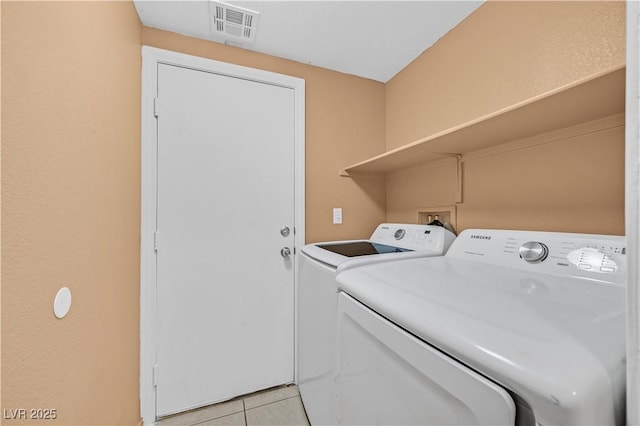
(217, 417)
(244, 411)
(272, 402)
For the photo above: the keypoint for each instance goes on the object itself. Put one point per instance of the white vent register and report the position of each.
(233, 23)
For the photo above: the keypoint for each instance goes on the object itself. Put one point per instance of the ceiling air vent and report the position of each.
(233, 23)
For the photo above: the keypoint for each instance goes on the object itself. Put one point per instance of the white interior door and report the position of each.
(225, 294)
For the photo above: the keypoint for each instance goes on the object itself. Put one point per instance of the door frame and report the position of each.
(151, 58)
(632, 210)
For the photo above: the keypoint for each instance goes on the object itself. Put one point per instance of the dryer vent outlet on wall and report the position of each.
(236, 25)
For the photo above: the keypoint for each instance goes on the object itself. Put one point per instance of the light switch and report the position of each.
(337, 216)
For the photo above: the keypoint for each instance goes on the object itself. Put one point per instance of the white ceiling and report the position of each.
(369, 38)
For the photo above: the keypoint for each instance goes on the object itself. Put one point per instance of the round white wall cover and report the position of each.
(62, 302)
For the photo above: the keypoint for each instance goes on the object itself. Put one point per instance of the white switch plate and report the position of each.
(337, 216)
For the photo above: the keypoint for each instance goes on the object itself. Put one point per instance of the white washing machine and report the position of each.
(317, 300)
(508, 328)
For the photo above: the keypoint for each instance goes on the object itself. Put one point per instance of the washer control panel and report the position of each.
(413, 237)
(399, 234)
(595, 256)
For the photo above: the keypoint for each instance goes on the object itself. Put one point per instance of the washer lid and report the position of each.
(361, 248)
(319, 253)
(393, 240)
(369, 252)
(558, 342)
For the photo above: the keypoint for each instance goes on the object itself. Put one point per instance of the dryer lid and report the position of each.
(558, 342)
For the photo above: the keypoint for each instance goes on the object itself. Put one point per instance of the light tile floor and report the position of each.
(277, 406)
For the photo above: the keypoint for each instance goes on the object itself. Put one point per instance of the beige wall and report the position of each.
(71, 168)
(71, 194)
(344, 123)
(71, 209)
(504, 53)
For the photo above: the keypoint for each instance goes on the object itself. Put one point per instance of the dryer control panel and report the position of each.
(601, 257)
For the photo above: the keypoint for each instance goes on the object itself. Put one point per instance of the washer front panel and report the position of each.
(388, 377)
(557, 341)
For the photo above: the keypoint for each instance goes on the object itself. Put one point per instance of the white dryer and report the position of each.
(317, 300)
(508, 328)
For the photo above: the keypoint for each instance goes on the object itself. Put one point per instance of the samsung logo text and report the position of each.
(480, 237)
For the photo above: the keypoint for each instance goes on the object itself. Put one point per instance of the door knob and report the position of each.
(285, 252)
(285, 231)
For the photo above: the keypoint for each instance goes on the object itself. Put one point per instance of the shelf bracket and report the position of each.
(458, 158)
(458, 178)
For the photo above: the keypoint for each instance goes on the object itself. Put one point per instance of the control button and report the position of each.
(607, 269)
(399, 234)
(533, 252)
(584, 266)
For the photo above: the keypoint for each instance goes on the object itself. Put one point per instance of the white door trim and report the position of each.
(632, 213)
(151, 57)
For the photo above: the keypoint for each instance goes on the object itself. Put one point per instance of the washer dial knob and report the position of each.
(534, 252)
(399, 234)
